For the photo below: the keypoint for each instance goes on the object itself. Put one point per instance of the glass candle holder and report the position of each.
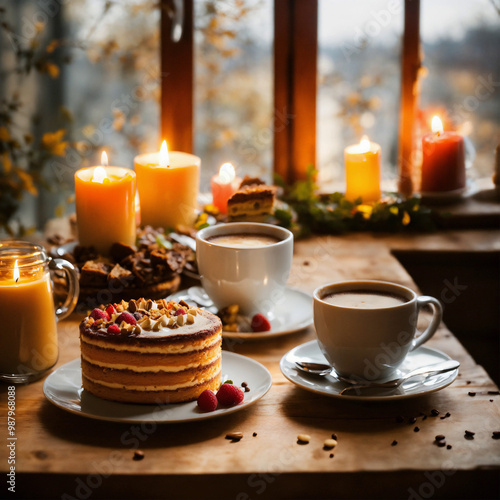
(28, 340)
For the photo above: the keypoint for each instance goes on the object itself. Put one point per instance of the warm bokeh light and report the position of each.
(164, 158)
(437, 125)
(226, 173)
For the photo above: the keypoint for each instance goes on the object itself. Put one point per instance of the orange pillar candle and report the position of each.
(224, 185)
(443, 160)
(28, 341)
(105, 206)
(362, 171)
(168, 185)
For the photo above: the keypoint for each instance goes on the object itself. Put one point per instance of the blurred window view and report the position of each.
(359, 78)
(82, 76)
(234, 86)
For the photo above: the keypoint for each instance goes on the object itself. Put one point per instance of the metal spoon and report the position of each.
(322, 370)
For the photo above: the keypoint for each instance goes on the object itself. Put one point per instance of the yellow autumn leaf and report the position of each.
(7, 164)
(406, 218)
(60, 210)
(52, 70)
(4, 134)
(27, 180)
(53, 143)
(366, 210)
(52, 46)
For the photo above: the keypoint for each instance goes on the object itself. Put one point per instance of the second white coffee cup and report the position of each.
(365, 329)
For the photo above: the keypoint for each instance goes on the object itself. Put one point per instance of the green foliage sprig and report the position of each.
(305, 211)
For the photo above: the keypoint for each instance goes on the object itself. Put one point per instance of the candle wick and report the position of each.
(17, 279)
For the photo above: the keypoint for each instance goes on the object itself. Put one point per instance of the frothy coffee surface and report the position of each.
(244, 240)
(364, 299)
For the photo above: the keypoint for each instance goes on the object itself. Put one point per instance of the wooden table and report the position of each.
(60, 455)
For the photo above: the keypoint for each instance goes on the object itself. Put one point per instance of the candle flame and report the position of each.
(16, 272)
(226, 173)
(364, 144)
(99, 175)
(104, 159)
(437, 125)
(164, 158)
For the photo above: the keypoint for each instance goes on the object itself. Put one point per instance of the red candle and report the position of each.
(443, 162)
(224, 185)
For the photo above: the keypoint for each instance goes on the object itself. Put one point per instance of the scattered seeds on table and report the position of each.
(331, 455)
(138, 455)
(441, 443)
(254, 434)
(303, 438)
(234, 436)
(440, 437)
(434, 412)
(416, 429)
(496, 435)
(247, 389)
(448, 446)
(494, 392)
(471, 394)
(334, 436)
(244, 384)
(469, 435)
(394, 443)
(328, 444)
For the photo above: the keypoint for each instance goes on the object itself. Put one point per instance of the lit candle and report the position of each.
(105, 206)
(28, 343)
(168, 185)
(443, 160)
(224, 185)
(362, 171)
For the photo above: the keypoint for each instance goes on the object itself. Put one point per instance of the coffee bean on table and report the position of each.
(471, 394)
(469, 435)
(434, 412)
(138, 455)
(439, 437)
(416, 429)
(496, 435)
(413, 420)
(441, 444)
(394, 443)
(448, 446)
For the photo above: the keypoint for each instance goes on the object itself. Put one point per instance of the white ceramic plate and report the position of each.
(63, 388)
(292, 314)
(330, 386)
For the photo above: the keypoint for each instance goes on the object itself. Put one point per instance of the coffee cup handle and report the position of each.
(435, 322)
(73, 286)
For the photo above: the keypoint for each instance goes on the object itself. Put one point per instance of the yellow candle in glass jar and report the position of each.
(362, 171)
(28, 340)
(168, 185)
(105, 206)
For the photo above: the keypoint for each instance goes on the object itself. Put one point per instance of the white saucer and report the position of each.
(292, 314)
(330, 386)
(63, 388)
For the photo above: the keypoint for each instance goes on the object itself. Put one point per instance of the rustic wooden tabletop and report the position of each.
(61, 455)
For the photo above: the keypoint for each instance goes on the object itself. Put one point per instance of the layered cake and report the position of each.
(146, 351)
(254, 201)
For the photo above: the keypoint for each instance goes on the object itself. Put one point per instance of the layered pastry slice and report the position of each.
(150, 352)
(253, 202)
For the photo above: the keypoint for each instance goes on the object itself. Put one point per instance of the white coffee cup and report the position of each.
(370, 343)
(252, 277)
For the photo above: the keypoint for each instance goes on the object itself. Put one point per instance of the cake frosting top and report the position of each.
(144, 320)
